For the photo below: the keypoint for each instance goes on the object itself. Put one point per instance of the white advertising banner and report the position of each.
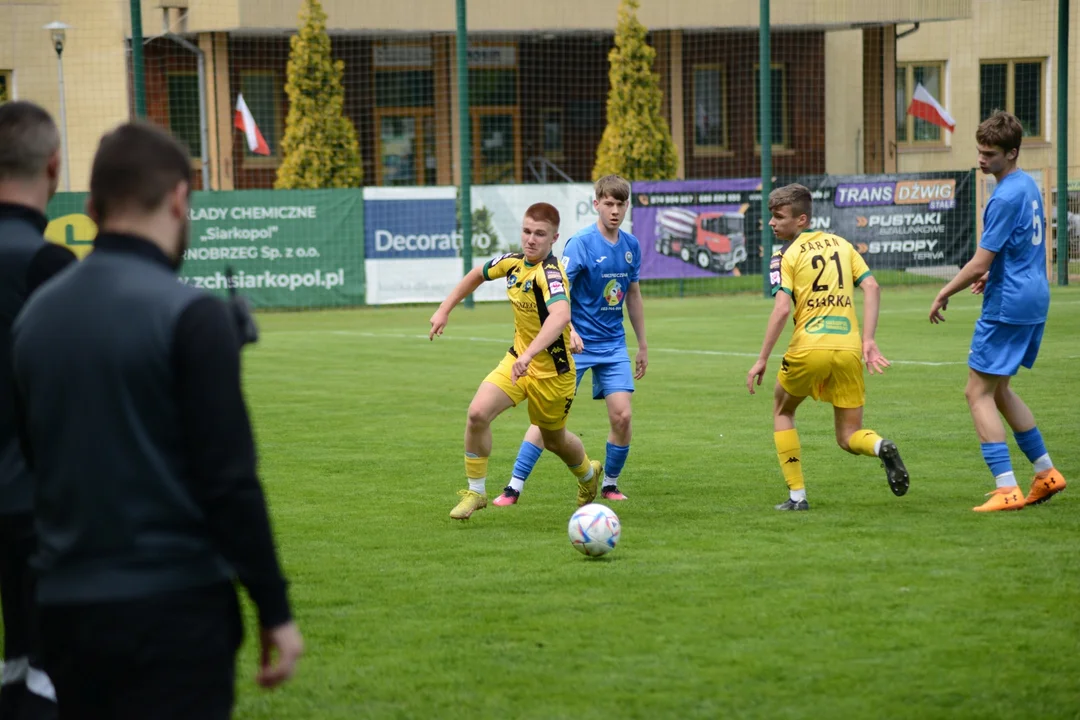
(412, 247)
(499, 209)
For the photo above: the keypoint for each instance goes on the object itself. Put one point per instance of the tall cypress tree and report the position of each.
(637, 142)
(320, 146)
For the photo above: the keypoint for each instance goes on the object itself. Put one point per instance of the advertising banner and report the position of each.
(901, 222)
(697, 228)
(412, 246)
(702, 228)
(287, 248)
(499, 209)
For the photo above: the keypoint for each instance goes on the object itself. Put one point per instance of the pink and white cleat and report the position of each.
(509, 497)
(611, 492)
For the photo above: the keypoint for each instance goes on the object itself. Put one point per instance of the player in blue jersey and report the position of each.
(1009, 269)
(602, 264)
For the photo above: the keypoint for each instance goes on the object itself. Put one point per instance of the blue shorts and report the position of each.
(611, 372)
(1000, 348)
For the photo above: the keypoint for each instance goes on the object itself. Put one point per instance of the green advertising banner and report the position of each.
(287, 248)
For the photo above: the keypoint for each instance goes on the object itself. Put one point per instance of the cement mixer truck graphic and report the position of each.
(712, 241)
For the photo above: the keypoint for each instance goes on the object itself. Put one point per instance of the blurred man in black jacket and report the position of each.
(29, 172)
(147, 504)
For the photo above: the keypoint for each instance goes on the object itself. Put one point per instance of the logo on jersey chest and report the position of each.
(613, 293)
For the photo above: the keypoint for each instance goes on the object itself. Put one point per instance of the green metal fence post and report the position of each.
(765, 120)
(466, 140)
(138, 78)
(1063, 143)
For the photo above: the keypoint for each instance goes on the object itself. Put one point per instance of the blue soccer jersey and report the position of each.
(1014, 227)
(600, 274)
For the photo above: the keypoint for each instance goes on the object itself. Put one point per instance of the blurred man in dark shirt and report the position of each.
(148, 505)
(29, 171)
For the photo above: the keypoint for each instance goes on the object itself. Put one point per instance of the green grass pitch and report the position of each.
(713, 605)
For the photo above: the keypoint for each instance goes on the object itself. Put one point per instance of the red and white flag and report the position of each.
(924, 106)
(245, 122)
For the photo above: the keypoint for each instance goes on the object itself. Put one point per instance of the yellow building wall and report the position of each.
(95, 77)
(998, 29)
(843, 102)
(492, 15)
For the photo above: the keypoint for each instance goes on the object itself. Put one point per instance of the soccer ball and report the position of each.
(594, 529)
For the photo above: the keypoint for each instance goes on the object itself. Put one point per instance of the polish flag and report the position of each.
(244, 121)
(924, 106)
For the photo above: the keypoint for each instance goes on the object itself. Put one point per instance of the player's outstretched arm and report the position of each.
(635, 308)
(777, 319)
(467, 286)
(554, 324)
(875, 361)
(969, 274)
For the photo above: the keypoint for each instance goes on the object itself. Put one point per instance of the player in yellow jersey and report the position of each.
(817, 273)
(538, 367)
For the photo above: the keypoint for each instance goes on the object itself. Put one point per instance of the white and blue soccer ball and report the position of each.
(594, 529)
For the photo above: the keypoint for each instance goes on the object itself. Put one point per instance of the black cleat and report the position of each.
(790, 504)
(895, 472)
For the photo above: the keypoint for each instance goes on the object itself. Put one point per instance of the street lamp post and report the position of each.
(58, 32)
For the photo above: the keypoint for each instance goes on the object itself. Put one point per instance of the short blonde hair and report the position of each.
(795, 195)
(612, 186)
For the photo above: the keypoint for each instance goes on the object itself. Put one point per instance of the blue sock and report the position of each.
(996, 456)
(526, 460)
(1031, 443)
(614, 460)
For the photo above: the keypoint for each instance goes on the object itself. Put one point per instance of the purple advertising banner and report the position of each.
(696, 228)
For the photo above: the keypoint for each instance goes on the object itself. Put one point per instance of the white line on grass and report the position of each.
(466, 338)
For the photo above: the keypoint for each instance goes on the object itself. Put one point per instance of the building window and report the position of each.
(404, 114)
(551, 130)
(781, 121)
(262, 93)
(492, 87)
(1017, 87)
(494, 113)
(183, 89)
(911, 130)
(405, 88)
(710, 109)
(6, 92)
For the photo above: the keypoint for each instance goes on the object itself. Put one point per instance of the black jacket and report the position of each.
(128, 385)
(27, 260)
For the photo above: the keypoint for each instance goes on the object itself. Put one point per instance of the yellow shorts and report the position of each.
(549, 398)
(835, 376)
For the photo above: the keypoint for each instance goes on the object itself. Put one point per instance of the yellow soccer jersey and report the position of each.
(531, 289)
(820, 272)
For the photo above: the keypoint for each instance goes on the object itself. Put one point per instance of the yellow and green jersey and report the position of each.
(820, 272)
(532, 289)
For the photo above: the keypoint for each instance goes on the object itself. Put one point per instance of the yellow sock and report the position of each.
(476, 471)
(582, 471)
(789, 453)
(864, 442)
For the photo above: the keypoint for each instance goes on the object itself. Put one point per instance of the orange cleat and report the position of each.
(1004, 498)
(1045, 486)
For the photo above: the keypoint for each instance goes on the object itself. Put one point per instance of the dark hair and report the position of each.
(135, 167)
(28, 138)
(1001, 130)
(795, 195)
(543, 212)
